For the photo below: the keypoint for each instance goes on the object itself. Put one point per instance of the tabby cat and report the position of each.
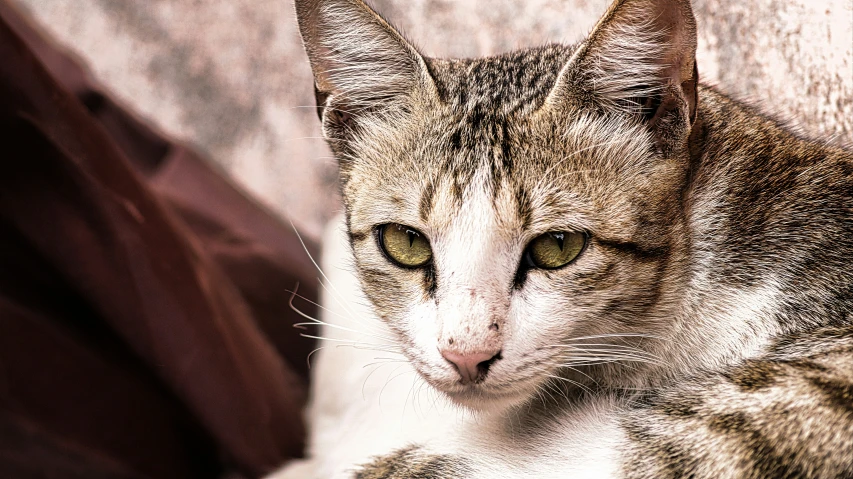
(620, 270)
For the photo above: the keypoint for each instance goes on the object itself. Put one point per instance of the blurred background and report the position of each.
(229, 77)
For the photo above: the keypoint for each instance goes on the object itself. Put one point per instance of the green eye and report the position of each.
(405, 246)
(555, 250)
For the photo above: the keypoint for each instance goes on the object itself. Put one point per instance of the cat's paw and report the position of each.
(415, 463)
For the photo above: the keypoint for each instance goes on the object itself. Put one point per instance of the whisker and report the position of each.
(308, 358)
(385, 360)
(559, 391)
(337, 340)
(351, 316)
(364, 383)
(405, 401)
(617, 335)
(387, 382)
(582, 373)
(614, 351)
(386, 348)
(613, 357)
(606, 345)
(390, 348)
(304, 138)
(303, 298)
(320, 270)
(593, 360)
(317, 322)
(575, 383)
(297, 310)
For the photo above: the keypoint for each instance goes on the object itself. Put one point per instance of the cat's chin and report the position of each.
(478, 399)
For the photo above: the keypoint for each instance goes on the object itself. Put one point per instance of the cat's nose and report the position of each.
(473, 367)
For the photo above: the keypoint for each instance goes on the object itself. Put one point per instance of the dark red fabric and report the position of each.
(144, 321)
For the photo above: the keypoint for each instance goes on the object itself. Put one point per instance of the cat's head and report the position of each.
(519, 217)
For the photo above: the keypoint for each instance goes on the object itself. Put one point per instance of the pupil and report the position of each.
(560, 239)
(412, 235)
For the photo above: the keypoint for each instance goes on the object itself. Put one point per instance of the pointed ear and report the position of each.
(641, 59)
(359, 61)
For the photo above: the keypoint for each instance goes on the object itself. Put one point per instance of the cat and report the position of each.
(619, 270)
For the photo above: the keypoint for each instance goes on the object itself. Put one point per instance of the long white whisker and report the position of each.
(388, 381)
(588, 360)
(303, 298)
(351, 316)
(385, 360)
(548, 374)
(614, 351)
(364, 383)
(610, 355)
(374, 347)
(320, 270)
(405, 401)
(308, 358)
(580, 372)
(317, 322)
(617, 335)
(580, 346)
(297, 310)
(387, 348)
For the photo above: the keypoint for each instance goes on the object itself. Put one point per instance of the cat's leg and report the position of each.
(417, 462)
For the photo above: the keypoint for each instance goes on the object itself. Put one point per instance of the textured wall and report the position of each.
(230, 77)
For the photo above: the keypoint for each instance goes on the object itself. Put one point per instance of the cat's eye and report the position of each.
(556, 249)
(405, 246)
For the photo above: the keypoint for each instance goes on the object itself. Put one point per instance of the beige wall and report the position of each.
(229, 75)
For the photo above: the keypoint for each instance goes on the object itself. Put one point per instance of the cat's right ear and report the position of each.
(360, 62)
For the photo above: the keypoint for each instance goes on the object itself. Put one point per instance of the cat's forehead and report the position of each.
(503, 84)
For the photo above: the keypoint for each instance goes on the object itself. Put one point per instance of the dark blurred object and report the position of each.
(145, 330)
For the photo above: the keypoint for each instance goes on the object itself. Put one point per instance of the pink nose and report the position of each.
(471, 366)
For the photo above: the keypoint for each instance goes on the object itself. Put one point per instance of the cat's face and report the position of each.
(484, 224)
(505, 223)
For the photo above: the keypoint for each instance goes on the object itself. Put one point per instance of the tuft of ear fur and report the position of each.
(641, 59)
(360, 62)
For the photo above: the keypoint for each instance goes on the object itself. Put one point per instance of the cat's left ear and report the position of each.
(360, 62)
(639, 59)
